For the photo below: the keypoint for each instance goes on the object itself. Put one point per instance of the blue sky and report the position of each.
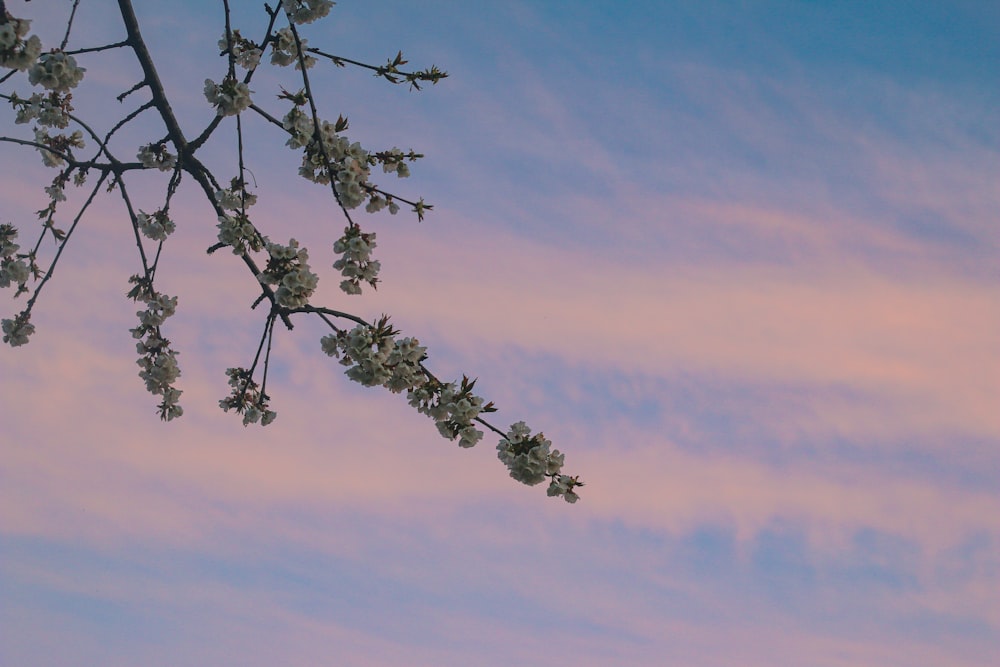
(737, 260)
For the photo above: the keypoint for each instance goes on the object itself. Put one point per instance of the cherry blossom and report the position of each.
(56, 71)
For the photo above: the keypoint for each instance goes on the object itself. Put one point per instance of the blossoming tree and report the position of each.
(374, 353)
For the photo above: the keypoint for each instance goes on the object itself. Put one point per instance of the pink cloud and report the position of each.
(924, 344)
(359, 475)
(920, 350)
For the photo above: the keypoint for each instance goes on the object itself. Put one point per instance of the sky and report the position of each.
(737, 260)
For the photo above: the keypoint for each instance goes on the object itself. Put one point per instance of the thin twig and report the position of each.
(69, 25)
(94, 49)
(62, 245)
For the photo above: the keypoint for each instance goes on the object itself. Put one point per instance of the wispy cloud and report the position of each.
(754, 304)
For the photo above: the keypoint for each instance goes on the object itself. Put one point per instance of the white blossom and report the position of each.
(229, 97)
(157, 362)
(288, 268)
(247, 398)
(375, 204)
(13, 271)
(237, 231)
(306, 11)
(563, 485)
(158, 309)
(375, 358)
(528, 458)
(246, 54)
(17, 330)
(156, 226)
(56, 71)
(16, 52)
(58, 142)
(159, 371)
(9, 33)
(348, 162)
(392, 162)
(469, 436)
(284, 51)
(8, 233)
(355, 263)
(453, 407)
(156, 156)
(48, 110)
(55, 193)
(298, 124)
(235, 198)
(332, 153)
(169, 409)
(330, 345)
(49, 159)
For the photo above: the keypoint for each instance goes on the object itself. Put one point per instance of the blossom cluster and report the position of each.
(155, 226)
(348, 161)
(306, 11)
(247, 398)
(50, 110)
(300, 126)
(376, 204)
(56, 71)
(393, 161)
(355, 262)
(58, 142)
(8, 233)
(156, 156)
(374, 358)
(236, 197)
(288, 268)
(530, 459)
(157, 361)
(17, 330)
(245, 52)
(284, 51)
(13, 269)
(229, 97)
(16, 52)
(56, 191)
(237, 231)
(453, 407)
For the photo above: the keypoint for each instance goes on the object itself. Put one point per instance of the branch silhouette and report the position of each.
(373, 352)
